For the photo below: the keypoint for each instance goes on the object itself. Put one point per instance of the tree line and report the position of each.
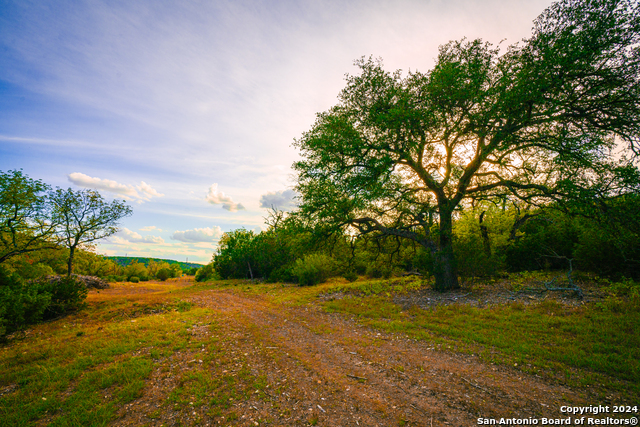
(487, 241)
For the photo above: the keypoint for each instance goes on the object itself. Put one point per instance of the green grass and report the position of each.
(592, 345)
(81, 369)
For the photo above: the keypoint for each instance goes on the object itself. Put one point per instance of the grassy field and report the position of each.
(84, 368)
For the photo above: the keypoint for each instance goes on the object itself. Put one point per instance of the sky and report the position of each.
(188, 109)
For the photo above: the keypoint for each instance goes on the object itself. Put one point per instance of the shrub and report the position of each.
(135, 269)
(282, 274)
(134, 279)
(20, 304)
(351, 276)
(379, 270)
(24, 303)
(308, 275)
(626, 288)
(206, 273)
(313, 269)
(163, 274)
(31, 271)
(67, 294)
(175, 270)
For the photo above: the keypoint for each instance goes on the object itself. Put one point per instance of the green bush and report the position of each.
(175, 270)
(308, 275)
(379, 270)
(134, 279)
(135, 269)
(625, 288)
(67, 294)
(32, 271)
(282, 274)
(313, 269)
(163, 274)
(351, 276)
(20, 304)
(206, 273)
(25, 303)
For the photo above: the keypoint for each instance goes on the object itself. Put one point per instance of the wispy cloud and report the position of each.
(150, 228)
(142, 192)
(129, 236)
(48, 141)
(216, 197)
(198, 235)
(282, 200)
(147, 192)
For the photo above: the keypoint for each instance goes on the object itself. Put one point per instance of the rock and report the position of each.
(89, 281)
(94, 282)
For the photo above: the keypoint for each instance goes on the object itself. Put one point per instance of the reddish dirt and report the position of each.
(325, 369)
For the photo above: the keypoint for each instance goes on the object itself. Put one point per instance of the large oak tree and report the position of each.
(544, 120)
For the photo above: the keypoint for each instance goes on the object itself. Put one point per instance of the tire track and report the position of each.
(322, 356)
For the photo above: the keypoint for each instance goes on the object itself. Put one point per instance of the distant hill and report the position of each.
(126, 260)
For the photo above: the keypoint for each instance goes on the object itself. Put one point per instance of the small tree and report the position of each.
(175, 269)
(84, 217)
(25, 221)
(235, 257)
(163, 274)
(152, 268)
(136, 269)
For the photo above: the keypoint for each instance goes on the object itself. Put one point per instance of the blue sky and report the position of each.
(188, 108)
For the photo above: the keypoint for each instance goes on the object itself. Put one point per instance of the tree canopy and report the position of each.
(25, 223)
(84, 217)
(554, 118)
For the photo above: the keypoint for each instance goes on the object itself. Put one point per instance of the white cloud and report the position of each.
(198, 235)
(216, 197)
(150, 228)
(142, 192)
(282, 200)
(86, 181)
(128, 236)
(147, 191)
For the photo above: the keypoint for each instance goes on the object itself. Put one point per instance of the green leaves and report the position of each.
(84, 216)
(25, 222)
(538, 123)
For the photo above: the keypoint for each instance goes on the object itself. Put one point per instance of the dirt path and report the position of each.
(324, 369)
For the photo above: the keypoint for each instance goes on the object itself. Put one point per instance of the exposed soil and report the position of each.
(501, 292)
(325, 369)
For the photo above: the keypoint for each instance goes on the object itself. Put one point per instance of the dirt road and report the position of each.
(325, 369)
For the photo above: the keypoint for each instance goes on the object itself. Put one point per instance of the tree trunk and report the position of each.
(250, 272)
(70, 261)
(446, 271)
(486, 243)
